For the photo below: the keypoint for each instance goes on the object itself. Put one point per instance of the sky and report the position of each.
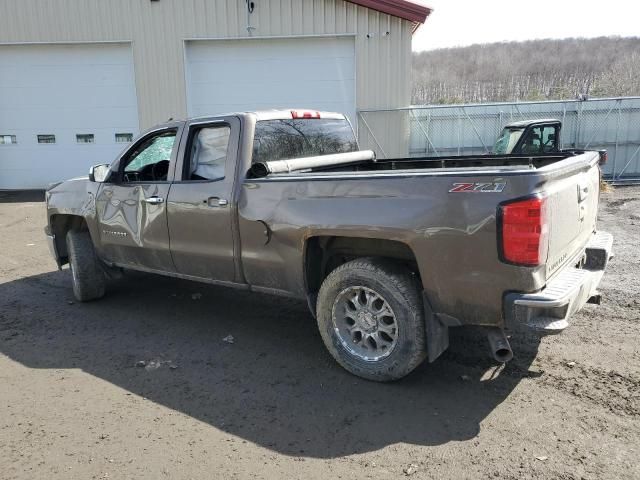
(465, 22)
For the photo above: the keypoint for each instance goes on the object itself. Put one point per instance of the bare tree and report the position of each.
(532, 70)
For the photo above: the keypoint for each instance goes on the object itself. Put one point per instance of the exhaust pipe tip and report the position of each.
(595, 299)
(500, 348)
(503, 355)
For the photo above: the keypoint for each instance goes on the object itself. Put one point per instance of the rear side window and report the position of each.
(296, 138)
(549, 138)
(541, 139)
(208, 156)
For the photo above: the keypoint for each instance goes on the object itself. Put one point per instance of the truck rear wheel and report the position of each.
(371, 319)
(86, 272)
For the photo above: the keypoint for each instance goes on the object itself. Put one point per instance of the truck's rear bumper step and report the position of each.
(549, 309)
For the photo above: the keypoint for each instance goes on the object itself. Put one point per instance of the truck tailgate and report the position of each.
(572, 208)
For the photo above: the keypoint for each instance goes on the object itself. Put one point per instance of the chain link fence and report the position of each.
(445, 130)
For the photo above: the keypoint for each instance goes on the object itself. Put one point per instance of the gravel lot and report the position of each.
(75, 402)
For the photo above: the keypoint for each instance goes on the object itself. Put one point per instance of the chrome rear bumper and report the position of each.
(549, 309)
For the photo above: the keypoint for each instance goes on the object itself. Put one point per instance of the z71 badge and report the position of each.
(478, 187)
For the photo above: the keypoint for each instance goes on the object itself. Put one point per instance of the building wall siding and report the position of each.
(157, 31)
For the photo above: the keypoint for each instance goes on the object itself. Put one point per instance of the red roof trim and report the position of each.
(398, 8)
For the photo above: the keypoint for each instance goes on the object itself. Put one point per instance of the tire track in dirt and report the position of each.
(619, 393)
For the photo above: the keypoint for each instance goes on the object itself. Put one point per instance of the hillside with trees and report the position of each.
(531, 70)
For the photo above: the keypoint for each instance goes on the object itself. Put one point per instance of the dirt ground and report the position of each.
(75, 402)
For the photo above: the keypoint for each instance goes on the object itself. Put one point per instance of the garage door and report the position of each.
(244, 75)
(63, 108)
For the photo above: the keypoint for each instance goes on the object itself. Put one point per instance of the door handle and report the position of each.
(217, 202)
(154, 200)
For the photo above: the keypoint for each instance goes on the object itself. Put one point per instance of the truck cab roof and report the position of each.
(529, 123)
(281, 114)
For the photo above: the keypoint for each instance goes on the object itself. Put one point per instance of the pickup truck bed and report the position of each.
(485, 240)
(447, 214)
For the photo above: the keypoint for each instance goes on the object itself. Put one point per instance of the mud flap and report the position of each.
(312, 299)
(437, 332)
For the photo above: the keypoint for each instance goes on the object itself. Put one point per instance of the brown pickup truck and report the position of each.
(388, 253)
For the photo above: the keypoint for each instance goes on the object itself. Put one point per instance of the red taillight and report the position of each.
(524, 232)
(304, 114)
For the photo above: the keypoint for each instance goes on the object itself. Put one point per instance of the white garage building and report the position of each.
(79, 78)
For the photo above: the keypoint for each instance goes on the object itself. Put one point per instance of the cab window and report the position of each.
(208, 153)
(549, 138)
(296, 138)
(507, 140)
(149, 162)
(542, 139)
(532, 142)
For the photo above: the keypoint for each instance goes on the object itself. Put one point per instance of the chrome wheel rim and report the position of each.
(365, 323)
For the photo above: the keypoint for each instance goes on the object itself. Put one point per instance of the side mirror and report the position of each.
(99, 173)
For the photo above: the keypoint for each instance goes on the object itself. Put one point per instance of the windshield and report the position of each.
(507, 140)
(298, 138)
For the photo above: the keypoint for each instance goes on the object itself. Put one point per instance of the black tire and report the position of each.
(397, 287)
(87, 275)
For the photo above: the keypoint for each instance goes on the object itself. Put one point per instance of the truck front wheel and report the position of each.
(371, 319)
(87, 274)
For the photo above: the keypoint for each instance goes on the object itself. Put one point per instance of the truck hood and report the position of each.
(53, 185)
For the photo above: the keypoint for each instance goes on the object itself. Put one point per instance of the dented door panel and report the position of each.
(131, 213)
(132, 230)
